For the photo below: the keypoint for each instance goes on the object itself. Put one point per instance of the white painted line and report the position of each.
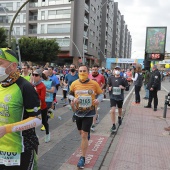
(128, 95)
(165, 89)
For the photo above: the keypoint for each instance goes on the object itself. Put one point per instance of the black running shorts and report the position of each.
(84, 123)
(114, 103)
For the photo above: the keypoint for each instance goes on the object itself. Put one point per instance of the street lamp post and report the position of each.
(75, 46)
(12, 23)
(90, 23)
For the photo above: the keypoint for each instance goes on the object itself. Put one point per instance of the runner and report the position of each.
(69, 79)
(50, 88)
(20, 114)
(83, 94)
(41, 90)
(117, 85)
(25, 72)
(99, 78)
(57, 83)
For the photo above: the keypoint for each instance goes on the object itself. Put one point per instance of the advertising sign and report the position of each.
(155, 40)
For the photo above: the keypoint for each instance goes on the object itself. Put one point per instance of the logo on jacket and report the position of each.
(7, 98)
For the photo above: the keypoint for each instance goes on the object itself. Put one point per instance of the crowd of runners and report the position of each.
(28, 99)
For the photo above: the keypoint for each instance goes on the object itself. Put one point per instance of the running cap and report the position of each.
(39, 72)
(9, 55)
(117, 67)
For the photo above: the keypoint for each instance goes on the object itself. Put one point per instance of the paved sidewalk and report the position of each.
(141, 142)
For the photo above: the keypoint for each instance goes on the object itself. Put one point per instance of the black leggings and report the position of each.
(45, 120)
(137, 94)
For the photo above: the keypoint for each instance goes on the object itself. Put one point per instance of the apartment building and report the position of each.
(8, 9)
(84, 29)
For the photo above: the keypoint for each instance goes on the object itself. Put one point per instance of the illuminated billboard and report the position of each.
(155, 40)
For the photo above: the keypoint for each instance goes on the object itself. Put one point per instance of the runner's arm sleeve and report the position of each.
(28, 123)
(71, 93)
(100, 97)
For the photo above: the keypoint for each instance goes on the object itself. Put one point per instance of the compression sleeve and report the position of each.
(25, 124)
(100, 97)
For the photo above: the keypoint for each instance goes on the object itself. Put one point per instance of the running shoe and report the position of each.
(92, 128)
(81, 162)
(97, 119)
(51, 113)
(113, 129)
(43, 128)
(47, 138)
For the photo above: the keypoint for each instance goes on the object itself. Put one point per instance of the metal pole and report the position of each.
(76, 48)
(89, 26)
(165, 107)
(12, 23)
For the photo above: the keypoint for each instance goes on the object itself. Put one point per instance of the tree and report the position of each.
(3, 38)
(38, 50)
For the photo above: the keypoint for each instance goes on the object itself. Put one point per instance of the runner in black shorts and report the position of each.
(83, 94)
(117, 85)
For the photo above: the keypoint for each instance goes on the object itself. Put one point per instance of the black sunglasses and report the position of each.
(36, 75)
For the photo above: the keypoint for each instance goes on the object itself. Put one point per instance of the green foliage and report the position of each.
(3, 38)
(38, 50)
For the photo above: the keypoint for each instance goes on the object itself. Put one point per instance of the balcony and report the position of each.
(33, 4)
(33, 18)
(85, 33)
(86, 20)
(87, 7)
(33, 31)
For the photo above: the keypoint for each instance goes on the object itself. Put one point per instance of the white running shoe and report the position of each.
(47, 138)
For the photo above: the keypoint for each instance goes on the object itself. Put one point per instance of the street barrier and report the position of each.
(167, 103)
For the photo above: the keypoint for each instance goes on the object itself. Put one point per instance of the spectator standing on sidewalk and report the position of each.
(85, 94)
(145, 82)
(117, 85)
(20, 108)
(154, 85)
(138, 80)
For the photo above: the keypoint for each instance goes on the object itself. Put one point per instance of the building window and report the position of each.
(3, 19)
(42, 29)
(55, 2)
(24, 31)
(55, 14)
(63, 42)
(8, 6)
(58, 28)
(17, 30)
(42, 15)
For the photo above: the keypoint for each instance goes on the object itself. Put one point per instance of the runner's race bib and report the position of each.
(9, 158)
(47, 95)
(116, 91)
(85, 101)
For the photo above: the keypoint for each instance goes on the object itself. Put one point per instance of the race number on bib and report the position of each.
(85, 101)
(9, 158)
(116, 91)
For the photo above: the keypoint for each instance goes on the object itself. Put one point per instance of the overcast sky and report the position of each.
(138, 15)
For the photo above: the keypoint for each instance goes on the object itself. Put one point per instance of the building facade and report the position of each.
(86, 30)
